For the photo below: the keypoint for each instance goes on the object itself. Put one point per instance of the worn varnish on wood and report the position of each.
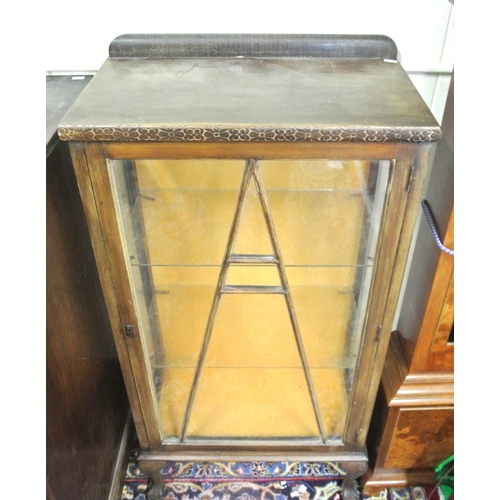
(281, 96)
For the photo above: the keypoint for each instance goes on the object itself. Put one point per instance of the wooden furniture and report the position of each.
(86, 402)
(412, 428)
(250, 200)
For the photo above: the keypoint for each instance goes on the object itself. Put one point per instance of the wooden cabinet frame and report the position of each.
(406, 177)
(401, 133)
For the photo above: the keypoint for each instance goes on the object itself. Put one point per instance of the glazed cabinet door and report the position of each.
(244, 286)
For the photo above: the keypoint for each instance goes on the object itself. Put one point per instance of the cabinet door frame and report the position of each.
(408, 163)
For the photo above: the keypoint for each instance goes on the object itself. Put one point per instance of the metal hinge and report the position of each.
(378, 334)
(410, 178)
(129, 331)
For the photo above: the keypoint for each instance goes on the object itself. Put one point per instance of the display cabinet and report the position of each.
(251, 200)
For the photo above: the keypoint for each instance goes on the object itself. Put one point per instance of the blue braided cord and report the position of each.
(434, 230)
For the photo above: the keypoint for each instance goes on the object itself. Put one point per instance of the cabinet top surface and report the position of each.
(250, 99)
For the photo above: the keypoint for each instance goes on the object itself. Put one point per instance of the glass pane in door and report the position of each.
(251, 281)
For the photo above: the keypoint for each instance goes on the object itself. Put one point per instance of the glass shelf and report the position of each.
(191, 227)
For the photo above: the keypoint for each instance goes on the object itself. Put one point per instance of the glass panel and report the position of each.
(253, 235)
(313, 198)
(327, 216)
(253, 275)
(224, 338)
(175, 218)
(187, 209)
(252, 376)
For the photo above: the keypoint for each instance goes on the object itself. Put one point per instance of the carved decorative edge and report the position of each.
(248, 134)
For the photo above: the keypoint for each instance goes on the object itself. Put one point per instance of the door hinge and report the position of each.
(378, 334)
(410, 178)
(129, 331)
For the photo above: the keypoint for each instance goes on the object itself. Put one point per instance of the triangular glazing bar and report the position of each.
(251, 170)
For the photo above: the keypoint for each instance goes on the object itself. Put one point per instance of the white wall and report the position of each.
(80, 34)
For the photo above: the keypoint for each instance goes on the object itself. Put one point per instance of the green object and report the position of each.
(445, 477)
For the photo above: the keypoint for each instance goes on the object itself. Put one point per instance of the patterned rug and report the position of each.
(257, 481)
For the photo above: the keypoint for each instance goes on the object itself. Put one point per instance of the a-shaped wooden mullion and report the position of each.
(252, 170)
